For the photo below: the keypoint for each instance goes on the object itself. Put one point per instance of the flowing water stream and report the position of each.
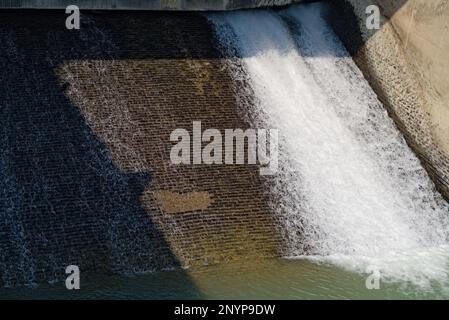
(348, 180)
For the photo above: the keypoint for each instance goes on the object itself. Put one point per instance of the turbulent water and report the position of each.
(351, 191)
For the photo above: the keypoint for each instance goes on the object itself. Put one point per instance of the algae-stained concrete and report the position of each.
(407, 64)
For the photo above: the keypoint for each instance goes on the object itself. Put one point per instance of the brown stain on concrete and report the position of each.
(171, 75)
(173, 202)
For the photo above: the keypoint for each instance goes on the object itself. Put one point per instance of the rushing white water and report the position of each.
(350, 190)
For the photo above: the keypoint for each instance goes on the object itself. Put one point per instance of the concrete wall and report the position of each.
(423, 27)
(407, 64)
(86, 176)
(145, 4)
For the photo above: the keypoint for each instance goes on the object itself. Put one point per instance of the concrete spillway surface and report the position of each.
(349, 192)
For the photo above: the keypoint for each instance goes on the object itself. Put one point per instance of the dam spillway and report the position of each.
(348, 181)
(86, 173)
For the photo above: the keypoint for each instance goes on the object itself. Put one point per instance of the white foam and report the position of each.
(350, 190)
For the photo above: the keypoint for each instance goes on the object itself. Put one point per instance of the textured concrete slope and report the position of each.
(85, 174)
(406, 62)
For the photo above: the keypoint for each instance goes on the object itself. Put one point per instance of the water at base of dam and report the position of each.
(352, 197)
(268, 279)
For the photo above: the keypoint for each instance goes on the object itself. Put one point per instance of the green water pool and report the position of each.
(270, 279)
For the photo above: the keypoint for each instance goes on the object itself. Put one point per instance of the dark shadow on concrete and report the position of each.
(340, 14)
(62, 200)
(125, 29)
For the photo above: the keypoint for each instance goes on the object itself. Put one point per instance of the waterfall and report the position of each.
(350, 191)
